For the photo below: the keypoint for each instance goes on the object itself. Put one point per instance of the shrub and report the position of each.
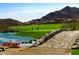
(70, 26)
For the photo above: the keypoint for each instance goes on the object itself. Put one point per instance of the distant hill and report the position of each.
(10, 22)
(65, 14)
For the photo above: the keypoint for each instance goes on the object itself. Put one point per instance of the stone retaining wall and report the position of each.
(59, 39)
(47, 36)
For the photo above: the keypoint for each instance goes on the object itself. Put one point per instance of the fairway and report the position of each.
(35, 30)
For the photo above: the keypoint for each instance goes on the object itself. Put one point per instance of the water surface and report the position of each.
(6, 37)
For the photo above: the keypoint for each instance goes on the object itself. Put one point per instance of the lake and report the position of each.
(6, 37)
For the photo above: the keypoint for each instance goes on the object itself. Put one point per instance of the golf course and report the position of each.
(38, 30)
(35, 30)
(46, 27)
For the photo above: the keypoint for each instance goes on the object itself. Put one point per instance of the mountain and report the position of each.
(66, 14)
(10, 22)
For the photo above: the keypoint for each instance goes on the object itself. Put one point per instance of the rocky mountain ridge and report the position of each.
(66, 14)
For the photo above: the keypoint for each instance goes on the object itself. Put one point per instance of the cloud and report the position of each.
(12, 13)
(36, 11)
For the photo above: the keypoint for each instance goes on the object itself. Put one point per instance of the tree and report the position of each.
(4, 28)
(38, 22)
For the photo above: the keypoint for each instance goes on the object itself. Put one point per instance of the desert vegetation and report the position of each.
(70, 26)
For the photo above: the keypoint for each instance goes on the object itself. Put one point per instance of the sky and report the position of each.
(28, 11)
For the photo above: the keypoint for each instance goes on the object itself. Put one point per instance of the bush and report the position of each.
(70, 26)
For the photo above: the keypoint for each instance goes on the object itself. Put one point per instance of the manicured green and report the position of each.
(35, 30)
(75, 51)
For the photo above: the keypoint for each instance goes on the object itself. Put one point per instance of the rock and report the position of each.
(48, 36)
(64, 39)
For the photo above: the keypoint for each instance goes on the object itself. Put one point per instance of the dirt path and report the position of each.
(35, 51)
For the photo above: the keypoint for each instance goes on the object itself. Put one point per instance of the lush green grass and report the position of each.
(75, 51)
(33, 31)
(41, 27)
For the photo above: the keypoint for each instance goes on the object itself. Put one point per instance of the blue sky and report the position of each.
(27, 11)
